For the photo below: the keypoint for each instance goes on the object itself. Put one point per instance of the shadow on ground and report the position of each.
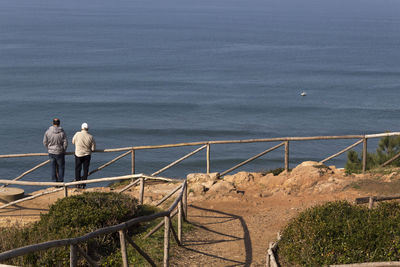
(211, 237)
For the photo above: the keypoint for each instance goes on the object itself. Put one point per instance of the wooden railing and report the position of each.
(179, 207)
(372, 199)
(284, 141)
(140, 178)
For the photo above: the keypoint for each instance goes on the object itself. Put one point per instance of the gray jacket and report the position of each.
(55, 140)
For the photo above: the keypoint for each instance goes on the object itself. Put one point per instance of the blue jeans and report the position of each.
(57, 162)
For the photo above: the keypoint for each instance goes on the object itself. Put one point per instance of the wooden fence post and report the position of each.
(166, 240)
(286, 155)
(141, 191)
(184, 200)
(132, 161)
(65, 191)
(371, 202)
(180, 221)
(123, 248)
(73, 256)
(208, 158)
(364, 155)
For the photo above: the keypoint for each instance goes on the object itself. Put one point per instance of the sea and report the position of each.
(152, 72)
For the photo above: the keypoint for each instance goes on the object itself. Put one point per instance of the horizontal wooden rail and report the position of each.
(362, 200)
(30, 197)
(91, 181)
(29, 171)
(309, 138)
(381, 135)
(30, 155)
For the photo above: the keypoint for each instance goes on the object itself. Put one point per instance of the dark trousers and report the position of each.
(79, 162)
(57, 162)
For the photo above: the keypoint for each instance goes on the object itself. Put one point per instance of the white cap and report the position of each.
(84, 126)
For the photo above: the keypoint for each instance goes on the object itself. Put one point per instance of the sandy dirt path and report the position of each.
(231, 230)
(237, 232)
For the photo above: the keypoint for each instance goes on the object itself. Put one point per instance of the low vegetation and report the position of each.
(342, 233)
(77, 215)
(388, 147)
(275, 172)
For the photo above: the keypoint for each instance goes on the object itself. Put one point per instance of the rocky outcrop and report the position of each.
(309, 176)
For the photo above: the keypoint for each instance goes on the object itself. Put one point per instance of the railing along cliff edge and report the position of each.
(140, 178)
(180, 204)
(207, 145)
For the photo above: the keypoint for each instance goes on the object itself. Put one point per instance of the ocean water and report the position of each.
(159, 72)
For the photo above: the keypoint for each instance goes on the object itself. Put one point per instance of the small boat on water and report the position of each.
(303, 93)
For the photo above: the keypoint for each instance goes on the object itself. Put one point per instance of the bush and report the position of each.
(388, 147)
(71, 217)
(341, 233)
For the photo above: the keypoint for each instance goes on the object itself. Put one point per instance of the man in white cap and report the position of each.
(84, 146)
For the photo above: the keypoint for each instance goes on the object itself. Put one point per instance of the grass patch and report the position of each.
(153, 245)
(341, 233)
(385, 170)
(118, 184)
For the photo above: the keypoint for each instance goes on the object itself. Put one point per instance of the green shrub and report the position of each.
(275, 172)
(388, 147)
(354, 162)
(71, 217)
(341, 233)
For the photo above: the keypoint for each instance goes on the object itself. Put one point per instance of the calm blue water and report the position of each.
(157, 72)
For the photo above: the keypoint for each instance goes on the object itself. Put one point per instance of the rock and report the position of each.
(265, 194)
(239, 178)
(222, 187)
(202, 177)
(272, 181)
(390, 177)
(208, 184)
(196, 188)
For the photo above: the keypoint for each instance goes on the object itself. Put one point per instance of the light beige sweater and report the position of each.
(84, 143)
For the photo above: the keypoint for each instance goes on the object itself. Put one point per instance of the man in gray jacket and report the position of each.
(84, 146)
(55, 140)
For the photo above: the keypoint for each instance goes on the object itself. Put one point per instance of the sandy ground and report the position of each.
(237, 232)
(234, 227)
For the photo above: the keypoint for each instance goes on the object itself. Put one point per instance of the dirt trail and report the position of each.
(235, 218)
(238, 232)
